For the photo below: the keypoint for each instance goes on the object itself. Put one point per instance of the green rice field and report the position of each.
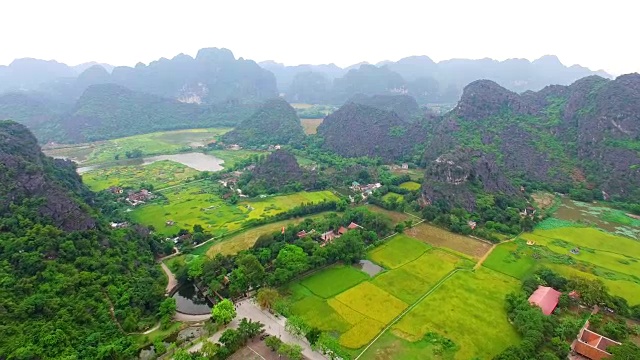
(159, 174)
(198, 203)
(355, 307)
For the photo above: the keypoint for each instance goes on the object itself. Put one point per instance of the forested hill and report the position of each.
(403, 105)
(581, 138)
(359, 130)
(108, 111)
(61, 266)
(275, 122)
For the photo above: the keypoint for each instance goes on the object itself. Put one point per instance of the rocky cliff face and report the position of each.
(359, 130)
(582, 135)
(51, 186)
(456, 176)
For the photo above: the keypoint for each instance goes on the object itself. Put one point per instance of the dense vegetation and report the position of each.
(357, 130)
(274, 123)
(277, 173)
(559, 139)
(548, 337)
(71, 288)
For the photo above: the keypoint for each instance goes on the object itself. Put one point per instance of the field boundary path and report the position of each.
(486, 255)
(172, 282)
(434, 288)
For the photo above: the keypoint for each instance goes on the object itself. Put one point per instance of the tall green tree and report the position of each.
(223, 312)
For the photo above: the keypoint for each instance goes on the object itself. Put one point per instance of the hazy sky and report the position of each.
(596, 34)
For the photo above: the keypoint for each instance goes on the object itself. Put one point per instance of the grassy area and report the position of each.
(310, 126)
(611, 258)
(274, 205)
(396, 217)
(410, 185)
(392, 347)
(468, 309)
(150, 144)
(334, 280)
(198, 203)
(231, 157)
(513, 259)
(245, 239)
(159, 174)
(398, 251)
(143, 340)
(416, 175)
(442, 238)
(392, 197)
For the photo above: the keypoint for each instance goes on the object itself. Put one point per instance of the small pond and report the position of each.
(190, 301)
(368, 267)
(195, 160)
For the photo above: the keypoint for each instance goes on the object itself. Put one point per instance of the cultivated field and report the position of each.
(442, 238)
(165, 142)
(357, 308)
(469, 310)
(396, 217)
(612, 258)
(159, 174)
(410, 185)
(310, 125)
(197, 203)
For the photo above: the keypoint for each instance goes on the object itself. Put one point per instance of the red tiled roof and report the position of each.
(545, 298)
(342, 230)
(353, 226)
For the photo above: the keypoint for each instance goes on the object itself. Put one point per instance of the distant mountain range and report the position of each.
(97, 101)
(420, 77)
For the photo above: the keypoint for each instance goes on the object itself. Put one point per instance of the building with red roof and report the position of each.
(545, 298)
(342, 230)
(592, 345)
(353, 226)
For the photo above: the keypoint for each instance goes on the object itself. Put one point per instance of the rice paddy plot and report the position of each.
(316, 312)
(396, 217)
(513, 259)
(273, 205)
(393, 346)
(160, 174)
(334, 280)
(398, 251)
(361, 334)
(410, 185)
(435, 236)
(372, 302)
(392, 197)
(468, 308)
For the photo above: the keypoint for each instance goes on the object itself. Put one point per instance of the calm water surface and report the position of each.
(190, 301)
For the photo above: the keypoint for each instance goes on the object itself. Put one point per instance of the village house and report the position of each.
(472, 224)
(116, 190)
(592, 345)
(342, 230)
(121, 225)
(353, 226)
(546, 298)
(404, 166)
(170, 223)
(234, 147)
(136, 198)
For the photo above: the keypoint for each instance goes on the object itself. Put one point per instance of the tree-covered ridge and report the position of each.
(561, 138)
(357, 130)
(274, 123)
(279, 172)
(110, 111)
(403, 105)
(71, 287)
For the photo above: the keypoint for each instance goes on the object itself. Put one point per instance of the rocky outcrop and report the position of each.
(359, 130)
(585, 134)
(403, 105)
(50, 186)
(455, 177)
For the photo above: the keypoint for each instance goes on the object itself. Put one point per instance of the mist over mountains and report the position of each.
(97, 101)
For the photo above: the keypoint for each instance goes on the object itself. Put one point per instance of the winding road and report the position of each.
(172, 282)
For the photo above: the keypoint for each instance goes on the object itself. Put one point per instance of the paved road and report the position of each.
(272, 325)
(172, 282)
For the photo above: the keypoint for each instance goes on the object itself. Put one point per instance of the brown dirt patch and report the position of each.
(442, 238)
(543, 200)
(310, 125)
(396, 217)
